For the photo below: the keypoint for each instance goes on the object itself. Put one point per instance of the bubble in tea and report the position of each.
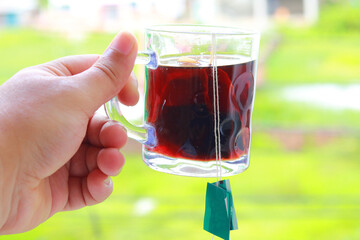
(180, 107)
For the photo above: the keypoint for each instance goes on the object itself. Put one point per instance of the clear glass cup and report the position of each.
(199, 93)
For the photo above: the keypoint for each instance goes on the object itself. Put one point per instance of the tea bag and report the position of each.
(220, 216)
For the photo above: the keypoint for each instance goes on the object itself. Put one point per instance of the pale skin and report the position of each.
(55, 155)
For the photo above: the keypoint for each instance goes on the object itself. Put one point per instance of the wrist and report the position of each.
(3, 172)
(7, 188)
(8, 166)
(4, 191)
(3, 215)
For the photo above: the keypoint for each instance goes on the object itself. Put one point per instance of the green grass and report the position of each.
(309, 194)
(308, 56)
(311, 191)
(271, 110)
(20, 48)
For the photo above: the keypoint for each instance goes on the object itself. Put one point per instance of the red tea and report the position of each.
(180, 107)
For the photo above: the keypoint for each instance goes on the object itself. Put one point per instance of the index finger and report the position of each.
(71, 65)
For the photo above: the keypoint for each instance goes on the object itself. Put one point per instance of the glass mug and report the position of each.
(199, 93)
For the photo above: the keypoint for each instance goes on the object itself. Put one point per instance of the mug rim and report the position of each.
(206, 29)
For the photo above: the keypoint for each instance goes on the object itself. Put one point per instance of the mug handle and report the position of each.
(143, 134)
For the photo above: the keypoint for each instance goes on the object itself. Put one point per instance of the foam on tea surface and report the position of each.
(203, 60)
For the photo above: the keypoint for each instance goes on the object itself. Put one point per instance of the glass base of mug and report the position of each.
(185, 167)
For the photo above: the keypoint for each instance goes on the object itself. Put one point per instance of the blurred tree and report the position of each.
(43, 4)
(355, 3)
(330, 2)
(339, 18)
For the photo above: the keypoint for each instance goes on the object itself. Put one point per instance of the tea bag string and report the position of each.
(216, 109)
(213, 61)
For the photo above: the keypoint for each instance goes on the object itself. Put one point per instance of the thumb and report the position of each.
(109, 74)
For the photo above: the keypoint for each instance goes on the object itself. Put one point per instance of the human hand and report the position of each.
(55, 155)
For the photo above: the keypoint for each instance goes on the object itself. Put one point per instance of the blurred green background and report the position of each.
(304, 175)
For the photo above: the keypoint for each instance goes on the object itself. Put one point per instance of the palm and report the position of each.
(72, 168)
(54, 155)
(68, 156)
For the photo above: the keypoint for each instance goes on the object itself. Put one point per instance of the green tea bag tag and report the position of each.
(220, 216)
(231, 209)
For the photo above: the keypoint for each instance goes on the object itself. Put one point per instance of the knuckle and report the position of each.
(107, 72)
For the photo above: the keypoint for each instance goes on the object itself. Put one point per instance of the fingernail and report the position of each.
(123, 43)
(108, 181)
